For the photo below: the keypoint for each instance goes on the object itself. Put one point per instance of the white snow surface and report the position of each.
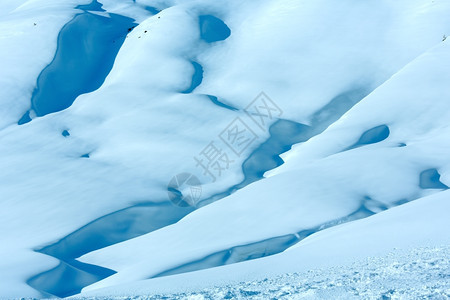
(140, 129)
(421, 273)
(370, 257)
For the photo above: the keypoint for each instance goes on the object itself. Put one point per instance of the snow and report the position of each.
(362, 180)
(418, 274)
(385, 243)
(361, 89)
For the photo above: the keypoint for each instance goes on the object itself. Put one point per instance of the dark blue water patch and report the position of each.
(92, 269)
(373, 206)
(236, 254)
(283, 134)
(401, 145)
(71, 275)
(216, 101)
(178, 196)
(265, 247)
(213, 29)
(66, 280)
(87, 48)
(87, 155)
(65, 133)
(197, 78)
(362, 212)
(93, 6)
(400, 202)
(25, 118)
(116, 227)
(372, 136)
(430, 179)
(336, 108)
(152, 10)
(106, 230)
(367, 208)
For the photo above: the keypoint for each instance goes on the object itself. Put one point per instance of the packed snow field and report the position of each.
(419, 274)
(204, 149)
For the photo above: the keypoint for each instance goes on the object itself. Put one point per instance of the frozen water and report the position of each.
(283, 134)
(216, 101)
(71, 276)
(87, 47)
(372, 136)
(115, 228)
(335, 253)
(68, 279)
(429, 179)
(93, 6)
(197, 77)
(236, 254)
(25, 119)
(212, 29)
(65, 133)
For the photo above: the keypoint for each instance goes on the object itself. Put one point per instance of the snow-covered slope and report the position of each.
(355, 249)
(315, 194)
(102, 104)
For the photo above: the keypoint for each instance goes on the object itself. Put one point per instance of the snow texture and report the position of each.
(104, 103)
